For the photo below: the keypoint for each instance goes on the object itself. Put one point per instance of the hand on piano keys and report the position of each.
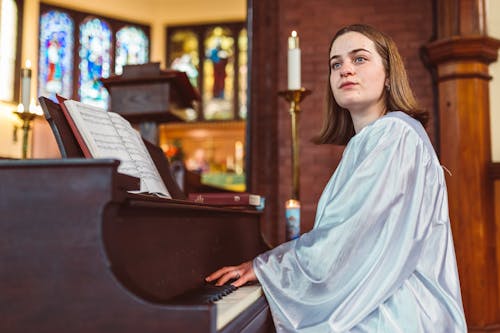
(240, 275)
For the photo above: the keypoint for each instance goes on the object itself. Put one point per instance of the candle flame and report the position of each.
(292, 203)
(28, 63)
(294, 33)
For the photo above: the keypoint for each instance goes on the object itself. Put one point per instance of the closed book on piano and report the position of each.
(227, 199)
(103, 134)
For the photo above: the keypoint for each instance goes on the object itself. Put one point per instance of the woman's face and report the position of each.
(358, 76)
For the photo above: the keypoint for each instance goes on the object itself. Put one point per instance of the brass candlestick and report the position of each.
(294, 97)
(27, 118)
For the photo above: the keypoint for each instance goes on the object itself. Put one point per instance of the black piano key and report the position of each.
(208, 293)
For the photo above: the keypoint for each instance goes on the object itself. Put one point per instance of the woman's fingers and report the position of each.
(241, 274)
(231, 275)
(218, 273)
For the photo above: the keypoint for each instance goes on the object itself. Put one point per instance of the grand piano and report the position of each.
(79, 253)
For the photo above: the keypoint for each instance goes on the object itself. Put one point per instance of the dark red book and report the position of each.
(227, 199)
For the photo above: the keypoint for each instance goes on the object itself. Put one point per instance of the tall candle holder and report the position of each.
(294, 97)
(27, 118)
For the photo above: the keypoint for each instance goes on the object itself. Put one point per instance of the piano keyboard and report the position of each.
(229, 300)
(229, 306)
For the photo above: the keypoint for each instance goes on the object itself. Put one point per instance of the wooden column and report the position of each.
(262, 125)
(461, 54)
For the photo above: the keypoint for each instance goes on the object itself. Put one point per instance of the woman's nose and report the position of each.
(346, 69)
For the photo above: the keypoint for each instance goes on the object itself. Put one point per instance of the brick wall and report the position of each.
(410, 23)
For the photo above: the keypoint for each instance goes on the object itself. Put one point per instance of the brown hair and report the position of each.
(338, 127)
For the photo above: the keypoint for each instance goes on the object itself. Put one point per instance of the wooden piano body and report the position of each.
(80, 254)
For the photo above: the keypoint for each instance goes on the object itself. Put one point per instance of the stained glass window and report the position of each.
(218, 74)
(214, 58)
(95, 61)
(8, 38)
(56, 54)
(184, 52)
(78, 49)
(131, 48)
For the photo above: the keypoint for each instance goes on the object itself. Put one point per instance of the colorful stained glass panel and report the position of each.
(218, 74)
(132, 47)
(184, 54)
(95, 61)
(56, 55)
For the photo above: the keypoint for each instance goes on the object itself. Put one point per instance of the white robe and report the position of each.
(380, 257)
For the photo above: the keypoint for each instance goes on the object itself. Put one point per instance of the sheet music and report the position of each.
(132, 141)
(108, 135)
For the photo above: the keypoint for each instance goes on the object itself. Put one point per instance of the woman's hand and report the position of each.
(242, 274)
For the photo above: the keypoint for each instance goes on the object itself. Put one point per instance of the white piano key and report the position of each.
(230, 306)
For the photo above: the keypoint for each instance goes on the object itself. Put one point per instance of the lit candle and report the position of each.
(26, 85)
(292, 215)
(293, 62)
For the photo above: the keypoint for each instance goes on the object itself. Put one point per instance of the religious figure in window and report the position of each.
(95, 61)
(54, 58)
(56, 54)
(219, 58)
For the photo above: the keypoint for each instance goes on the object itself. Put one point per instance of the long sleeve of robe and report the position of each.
(380, 257)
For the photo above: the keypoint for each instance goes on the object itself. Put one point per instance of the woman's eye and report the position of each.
(359, 59)
(335, 65)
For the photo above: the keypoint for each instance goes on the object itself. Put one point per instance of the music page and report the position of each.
(108, 135)
(132, 140)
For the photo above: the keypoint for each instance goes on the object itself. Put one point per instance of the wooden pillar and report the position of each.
(262, 124)
(461, 55)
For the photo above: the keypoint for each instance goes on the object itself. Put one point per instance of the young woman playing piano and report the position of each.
(380, 257)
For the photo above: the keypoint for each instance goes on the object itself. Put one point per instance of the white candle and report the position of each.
(293, 62)
(26, 85)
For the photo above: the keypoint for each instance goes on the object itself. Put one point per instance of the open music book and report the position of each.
(103, 134)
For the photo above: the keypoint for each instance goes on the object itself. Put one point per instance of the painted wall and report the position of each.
(493, 26)
(156, 13)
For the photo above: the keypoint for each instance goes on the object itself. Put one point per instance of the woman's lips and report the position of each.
(347, 85)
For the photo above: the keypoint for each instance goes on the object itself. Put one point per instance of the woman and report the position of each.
(380, 257)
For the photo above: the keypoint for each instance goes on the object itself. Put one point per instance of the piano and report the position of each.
(80, 253)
